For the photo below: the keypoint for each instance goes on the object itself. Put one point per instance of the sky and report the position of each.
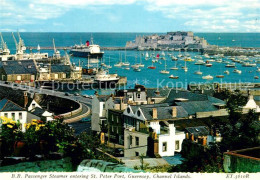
(130, 15)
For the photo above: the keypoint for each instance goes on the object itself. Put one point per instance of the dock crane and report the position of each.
(6, 51)
(21, 42)
(56, 52)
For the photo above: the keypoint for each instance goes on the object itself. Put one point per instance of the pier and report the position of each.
(227, 51)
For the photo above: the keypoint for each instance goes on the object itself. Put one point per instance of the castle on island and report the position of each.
(179, 39)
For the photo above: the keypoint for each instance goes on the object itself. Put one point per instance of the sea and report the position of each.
(151, 78)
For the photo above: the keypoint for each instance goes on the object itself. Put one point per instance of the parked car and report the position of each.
(86, 96)
(66, 94)
(76, 94)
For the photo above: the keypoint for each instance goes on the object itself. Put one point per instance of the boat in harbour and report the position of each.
(226, 72)
(175, 67)
(231, 65)
(88, 50)
(207, 77)
(237, 71)
(173, 77)
(198, 72)
(164, 71)
(103, 77)
(220, 76)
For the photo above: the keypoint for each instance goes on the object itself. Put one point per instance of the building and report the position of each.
(244, 160)
(197, 105)
(134, 96)
(99, 111)
(142, 121)
(18, 71)
(12, 110)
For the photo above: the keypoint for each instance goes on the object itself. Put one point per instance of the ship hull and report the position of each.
(85, 54)
(106, 83)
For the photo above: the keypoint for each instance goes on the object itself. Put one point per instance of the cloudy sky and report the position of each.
(130, 15)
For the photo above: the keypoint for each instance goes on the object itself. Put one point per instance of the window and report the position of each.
(138, 96)
(112, 128)
(128, 110)
(130, 138)
(33, 105)
(136, 153)
(6, 115)
(138, 113)
(117, 119)
(177, 145)
(164, 146)
(13, 115)
(104, 105)
(137, 141)
(20, 116)
(112, 117)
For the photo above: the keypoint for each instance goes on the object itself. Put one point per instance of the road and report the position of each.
(85, 101)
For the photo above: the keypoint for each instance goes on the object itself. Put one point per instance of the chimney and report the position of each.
(192, 137)
(174, 111)
(154, 113)
(157, 92)
(25, 99)
(204, 141)
(187, 135)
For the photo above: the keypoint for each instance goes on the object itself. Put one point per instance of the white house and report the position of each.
(155, 117)
(171, 142)
(11, 110)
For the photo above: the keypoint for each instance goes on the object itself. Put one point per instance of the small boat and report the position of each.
(146, 56)
(163, 58)
(208, 64)
(200, 62)
(151, 67)
(137, 69)
(220, 76)
(198, 72)
(127, 68)
(231, 65)
(207, 77)
(219, 60)
(164, 72)
(258, 70)
(226, 72)
(174, 58)
(175, 67)
(173, 77)
(256, 77)
(188, 59)
(185, 67)
(247, 64)
(118, 64)
(237, 71)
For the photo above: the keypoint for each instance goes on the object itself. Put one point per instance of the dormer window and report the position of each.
(29, 66)
(138, 96)
(138, 113)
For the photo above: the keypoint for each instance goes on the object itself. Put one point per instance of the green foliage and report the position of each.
(199, 158)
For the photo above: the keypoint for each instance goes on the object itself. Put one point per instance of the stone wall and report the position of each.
(62, 165)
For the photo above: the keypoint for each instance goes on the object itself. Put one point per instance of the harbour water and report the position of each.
(151, 77)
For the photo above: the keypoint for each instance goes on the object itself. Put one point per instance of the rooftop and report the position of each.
(7, 105)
